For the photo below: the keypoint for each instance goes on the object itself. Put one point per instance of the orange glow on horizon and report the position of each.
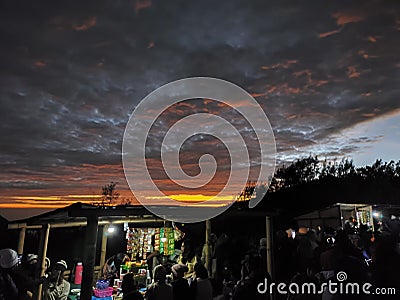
(54, 202)
(193, 198)
(22, 205)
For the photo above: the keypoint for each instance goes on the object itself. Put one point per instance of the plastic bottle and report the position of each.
(78, 273)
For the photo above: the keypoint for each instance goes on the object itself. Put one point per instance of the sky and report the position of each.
(326, 74)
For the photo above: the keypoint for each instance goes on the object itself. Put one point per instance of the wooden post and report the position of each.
(21, 240)
(44, 240)
(89, 257)
(208, 254)
(268, 234)
(103, 246)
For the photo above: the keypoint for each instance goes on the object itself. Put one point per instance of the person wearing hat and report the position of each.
(8, 289)
(56, 287)
(180, 286)
(10, 263)
(29, 265)
(8, 258)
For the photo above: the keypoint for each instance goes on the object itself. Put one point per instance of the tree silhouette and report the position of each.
(311, 169)
(109, 194)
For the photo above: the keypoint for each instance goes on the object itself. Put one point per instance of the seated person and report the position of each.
(56, 287)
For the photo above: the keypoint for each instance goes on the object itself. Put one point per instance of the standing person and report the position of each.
(211, 245)
(153, 259)
(221, 251)
(251, 276)
(202, 288)
(180, 286)
(188, 257)
(111, 268)
(304, 252)
(159, 289)
(56, 287)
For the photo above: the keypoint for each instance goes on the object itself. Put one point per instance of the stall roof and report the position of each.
(76, 215)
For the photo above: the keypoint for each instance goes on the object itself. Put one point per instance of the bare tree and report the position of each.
(109, 194)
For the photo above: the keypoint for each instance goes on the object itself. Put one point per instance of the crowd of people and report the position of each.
(319, 255)
(18, 280)
(188, 278)
(304, 255)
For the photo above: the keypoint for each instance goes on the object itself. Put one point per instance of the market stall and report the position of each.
(146, 247)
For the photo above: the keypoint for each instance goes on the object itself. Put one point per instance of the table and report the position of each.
(73, 286)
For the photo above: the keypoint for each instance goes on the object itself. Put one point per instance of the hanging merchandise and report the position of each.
(139, 242)
(178, 234)
(363, 217)
(165, 240)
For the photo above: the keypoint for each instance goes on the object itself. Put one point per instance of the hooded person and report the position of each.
(8, 258)
(8, 289)
(10, 263)
(56, 287)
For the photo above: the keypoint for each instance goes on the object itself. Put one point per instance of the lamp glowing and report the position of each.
(377, 214)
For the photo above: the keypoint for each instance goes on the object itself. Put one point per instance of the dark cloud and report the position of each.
(72, 72)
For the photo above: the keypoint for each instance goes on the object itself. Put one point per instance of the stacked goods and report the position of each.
(102, 291)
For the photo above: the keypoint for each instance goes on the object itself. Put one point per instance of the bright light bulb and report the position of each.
(376, 214)
(111, 229)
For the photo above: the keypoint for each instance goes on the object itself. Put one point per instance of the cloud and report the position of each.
(346, 17)
(85, 25)
(352, 72)
(285, 65)
(72, 75)
(329, 33)
(40, 64)
(142, 4)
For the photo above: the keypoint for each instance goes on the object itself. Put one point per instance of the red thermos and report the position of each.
(78, 273)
